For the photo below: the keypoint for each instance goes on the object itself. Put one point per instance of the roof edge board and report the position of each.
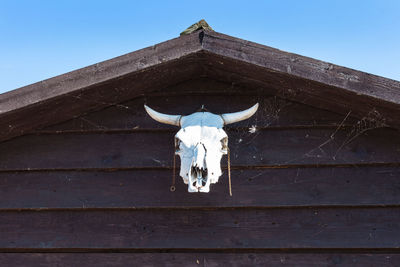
(307, 68)
(265, 63)
(100, 72)
(96, 96)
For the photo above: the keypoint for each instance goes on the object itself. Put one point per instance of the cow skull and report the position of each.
(200, 143)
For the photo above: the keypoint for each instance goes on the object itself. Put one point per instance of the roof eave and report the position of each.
(103, 84)
(361, 83)
(310, 81)
(89, 76)
(202, 53)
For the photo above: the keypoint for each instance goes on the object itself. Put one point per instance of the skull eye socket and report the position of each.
(177, 144)
(224, 144)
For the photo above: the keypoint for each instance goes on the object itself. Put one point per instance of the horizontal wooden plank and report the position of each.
(188, 97)
(356, 186)
(329, 228)
(154, 149)
(199, 259)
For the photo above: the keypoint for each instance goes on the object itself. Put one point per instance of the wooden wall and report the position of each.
(310, 187)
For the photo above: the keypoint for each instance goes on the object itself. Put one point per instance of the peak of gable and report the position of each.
(199, 54)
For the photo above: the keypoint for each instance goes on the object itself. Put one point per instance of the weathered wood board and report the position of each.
(155, 149)
(310, 187)
(196, 259)
(286, 187)
(287, 228)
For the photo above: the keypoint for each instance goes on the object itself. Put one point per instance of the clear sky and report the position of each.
(42, 39)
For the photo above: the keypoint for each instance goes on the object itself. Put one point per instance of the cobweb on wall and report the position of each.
(341, 134)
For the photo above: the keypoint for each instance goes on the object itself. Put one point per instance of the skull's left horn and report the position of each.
(239, 116)
(163, 118)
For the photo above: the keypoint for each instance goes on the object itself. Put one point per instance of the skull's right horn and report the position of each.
(239, 116)
(163, 118)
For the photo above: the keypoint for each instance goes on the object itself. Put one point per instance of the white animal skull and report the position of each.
(200, 143)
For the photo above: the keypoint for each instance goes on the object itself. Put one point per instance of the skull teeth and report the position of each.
(199, 177)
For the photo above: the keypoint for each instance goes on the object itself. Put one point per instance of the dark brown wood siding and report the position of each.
(310, 187)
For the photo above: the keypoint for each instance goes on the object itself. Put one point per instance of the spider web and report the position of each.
(344, 131)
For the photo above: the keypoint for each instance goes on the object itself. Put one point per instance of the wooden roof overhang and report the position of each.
(199, 54)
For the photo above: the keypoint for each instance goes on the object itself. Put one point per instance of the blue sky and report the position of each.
(42, 39)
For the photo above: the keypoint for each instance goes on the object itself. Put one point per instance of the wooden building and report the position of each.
(85, 172)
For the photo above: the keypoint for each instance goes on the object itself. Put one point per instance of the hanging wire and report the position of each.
(172, 187)
(229, 172)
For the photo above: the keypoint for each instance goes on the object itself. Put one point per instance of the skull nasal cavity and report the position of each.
(200, 156)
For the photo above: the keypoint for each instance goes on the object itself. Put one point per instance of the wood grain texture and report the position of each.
(329, 228)
(195, 259)
(355, 186)
(305, 191)
(155, 149)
